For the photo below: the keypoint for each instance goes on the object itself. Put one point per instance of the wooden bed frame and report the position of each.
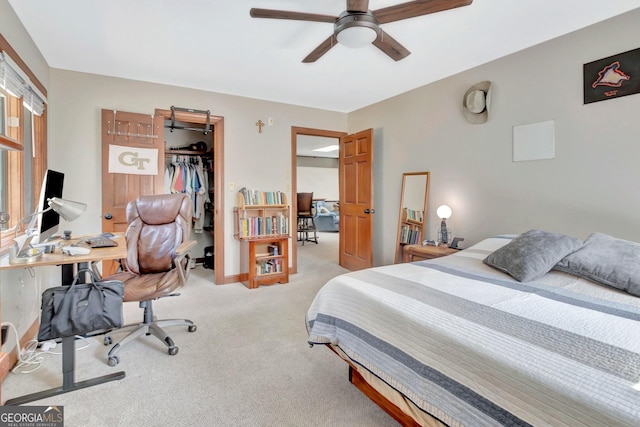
(379, 399)
(396, 413)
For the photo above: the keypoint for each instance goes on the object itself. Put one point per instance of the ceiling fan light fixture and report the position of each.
(356, 30)
(356, 37)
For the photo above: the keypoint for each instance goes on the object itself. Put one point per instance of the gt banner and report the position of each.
(135, 161)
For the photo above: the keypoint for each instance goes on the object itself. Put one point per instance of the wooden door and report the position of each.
(356, 200)
(135, 131)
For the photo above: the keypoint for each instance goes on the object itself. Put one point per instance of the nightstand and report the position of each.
(419, 252)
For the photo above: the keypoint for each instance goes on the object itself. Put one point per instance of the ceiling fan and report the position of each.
(358, 26)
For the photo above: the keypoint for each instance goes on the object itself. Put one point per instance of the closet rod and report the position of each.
(184, 153)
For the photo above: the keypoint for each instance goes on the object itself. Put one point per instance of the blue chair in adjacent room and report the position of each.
(326, 217)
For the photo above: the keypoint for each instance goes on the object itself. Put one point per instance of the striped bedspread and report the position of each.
(471, 346)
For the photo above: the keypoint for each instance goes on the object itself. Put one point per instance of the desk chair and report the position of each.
(158, 262)
(306, 223)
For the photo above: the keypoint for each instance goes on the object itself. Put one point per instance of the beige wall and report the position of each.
(261, 161)
(323, 182)
(591, 185)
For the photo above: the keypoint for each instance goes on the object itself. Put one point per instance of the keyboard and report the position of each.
(101, 242)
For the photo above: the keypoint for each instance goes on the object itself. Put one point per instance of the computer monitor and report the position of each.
(49, 221)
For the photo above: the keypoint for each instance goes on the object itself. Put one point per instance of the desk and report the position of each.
(67, 264)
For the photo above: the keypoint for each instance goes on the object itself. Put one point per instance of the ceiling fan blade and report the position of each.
(416, 8)
(321, 49)
(390, 46)
(357, 5)
(284, 14)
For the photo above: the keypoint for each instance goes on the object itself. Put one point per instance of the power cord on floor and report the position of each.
(27, 357)
(46, 346)
(31, 355)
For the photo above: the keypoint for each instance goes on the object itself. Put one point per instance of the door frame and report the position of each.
(295, 131)
(217, 122)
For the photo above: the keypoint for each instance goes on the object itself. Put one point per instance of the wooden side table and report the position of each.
(419, 252)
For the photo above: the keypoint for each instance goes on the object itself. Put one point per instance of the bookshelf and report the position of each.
(262, 225)
(411, 226)
(266, 261)
(411, 216)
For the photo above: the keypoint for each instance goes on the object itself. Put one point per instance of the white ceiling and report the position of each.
(215, 45)
(306, 144)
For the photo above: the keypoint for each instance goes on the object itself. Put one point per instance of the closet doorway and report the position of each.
(301, 138)
(199, 120)
(137, 130)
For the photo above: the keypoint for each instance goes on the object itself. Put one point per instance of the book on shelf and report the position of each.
(255, 197)
(413, 215)
(409, 235)
(268, 266)
(258, 226)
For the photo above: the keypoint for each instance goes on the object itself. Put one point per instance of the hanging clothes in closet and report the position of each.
(186, 174)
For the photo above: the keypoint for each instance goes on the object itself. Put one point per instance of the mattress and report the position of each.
(471, 346)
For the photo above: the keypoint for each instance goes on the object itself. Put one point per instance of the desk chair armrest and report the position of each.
(95, 269)
(185, 247)
(183, 251)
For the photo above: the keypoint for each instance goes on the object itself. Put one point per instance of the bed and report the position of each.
(455, 341)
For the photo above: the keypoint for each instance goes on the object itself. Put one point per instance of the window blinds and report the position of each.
(17, 83)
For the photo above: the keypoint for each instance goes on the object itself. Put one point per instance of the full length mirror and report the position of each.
(413, 208)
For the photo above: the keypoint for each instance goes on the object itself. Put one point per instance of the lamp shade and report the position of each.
(443, 212)
(67, 209)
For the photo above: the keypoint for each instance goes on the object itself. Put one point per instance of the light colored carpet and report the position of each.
(248, 364)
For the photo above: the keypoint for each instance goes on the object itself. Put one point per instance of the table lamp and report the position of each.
(67, 209)
(443, 212)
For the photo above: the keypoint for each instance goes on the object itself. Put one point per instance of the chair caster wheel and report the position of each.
(192, 328)
(173, 351)
(113, 361)
(108, 341)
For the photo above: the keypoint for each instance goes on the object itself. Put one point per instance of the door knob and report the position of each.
(108, 216)
(368, 211)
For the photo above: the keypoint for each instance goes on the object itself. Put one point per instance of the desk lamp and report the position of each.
(443, 212)
(67, 209)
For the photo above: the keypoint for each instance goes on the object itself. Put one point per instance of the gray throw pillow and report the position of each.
(607, 260)
(532, 254)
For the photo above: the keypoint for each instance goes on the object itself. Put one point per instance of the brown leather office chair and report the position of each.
(306, 222)
(158, 262)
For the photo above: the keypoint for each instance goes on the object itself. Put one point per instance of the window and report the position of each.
(23, 145)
